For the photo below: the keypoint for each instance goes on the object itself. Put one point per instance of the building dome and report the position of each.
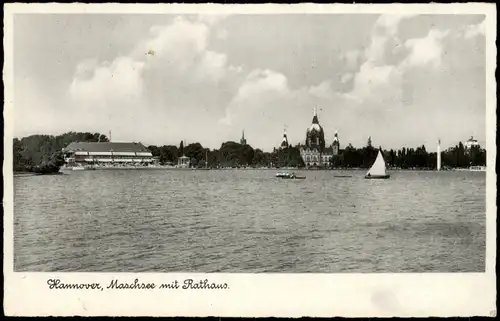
(315, 127)
(315, 137)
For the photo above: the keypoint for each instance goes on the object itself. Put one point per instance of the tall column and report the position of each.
(438, 151)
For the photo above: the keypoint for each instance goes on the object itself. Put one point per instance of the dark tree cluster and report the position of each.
(229, 155)
(412, 158)
(43, 153)
(235, 155)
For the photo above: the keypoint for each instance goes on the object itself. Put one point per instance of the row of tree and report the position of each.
(42, 153)
(232, 154)
(454, 157)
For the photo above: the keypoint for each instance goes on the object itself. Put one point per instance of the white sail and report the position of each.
(378, 168)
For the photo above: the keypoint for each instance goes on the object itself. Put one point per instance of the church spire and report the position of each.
(315, 116)
(243, 141)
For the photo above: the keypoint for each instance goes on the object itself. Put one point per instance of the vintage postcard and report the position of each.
(250, 160)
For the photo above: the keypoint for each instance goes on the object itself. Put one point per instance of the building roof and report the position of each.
(106, 147)
(328, 150)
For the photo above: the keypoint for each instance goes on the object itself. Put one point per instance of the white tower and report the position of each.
(438, 151)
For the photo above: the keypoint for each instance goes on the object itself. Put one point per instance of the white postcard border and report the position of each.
(252, 295)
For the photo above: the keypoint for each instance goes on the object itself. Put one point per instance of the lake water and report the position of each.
(249, 221)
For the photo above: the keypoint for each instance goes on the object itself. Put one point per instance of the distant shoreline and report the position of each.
(23, 174)
(27, 174)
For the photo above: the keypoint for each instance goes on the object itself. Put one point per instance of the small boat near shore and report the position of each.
(282, 174)
(377, 171)
(286, 175)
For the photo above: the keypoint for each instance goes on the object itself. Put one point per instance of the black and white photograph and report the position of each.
(246, 143)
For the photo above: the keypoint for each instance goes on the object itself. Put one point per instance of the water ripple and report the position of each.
(249, 221)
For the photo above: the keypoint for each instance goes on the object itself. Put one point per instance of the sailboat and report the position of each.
(378, 168)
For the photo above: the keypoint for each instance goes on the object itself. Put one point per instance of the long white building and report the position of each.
(107, 153)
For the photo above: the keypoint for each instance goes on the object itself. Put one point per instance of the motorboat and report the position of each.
(282, 174)
(292, 176)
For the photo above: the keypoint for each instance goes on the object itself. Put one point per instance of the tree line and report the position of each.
(408, 158)
(43, 153)
(232, 154)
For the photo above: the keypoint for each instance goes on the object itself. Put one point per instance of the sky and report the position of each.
(404, 80)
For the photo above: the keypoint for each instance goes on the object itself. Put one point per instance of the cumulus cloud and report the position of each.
(169, 73)
(265, 103)
(374, 81)
(181, 49)
(377, 80)
(476, 30)
(176, 52)
(259, 87)
(381, 78)
(323, 90)
(425, 51)
(177, 39)
(185, 81)
(383, 87)
(101, 83)
(260, 81)
(384, 35)
(374, 77)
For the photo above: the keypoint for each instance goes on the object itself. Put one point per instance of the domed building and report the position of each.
(315, 136)
(314, 153)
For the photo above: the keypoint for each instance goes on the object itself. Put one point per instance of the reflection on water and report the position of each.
(249, 221)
